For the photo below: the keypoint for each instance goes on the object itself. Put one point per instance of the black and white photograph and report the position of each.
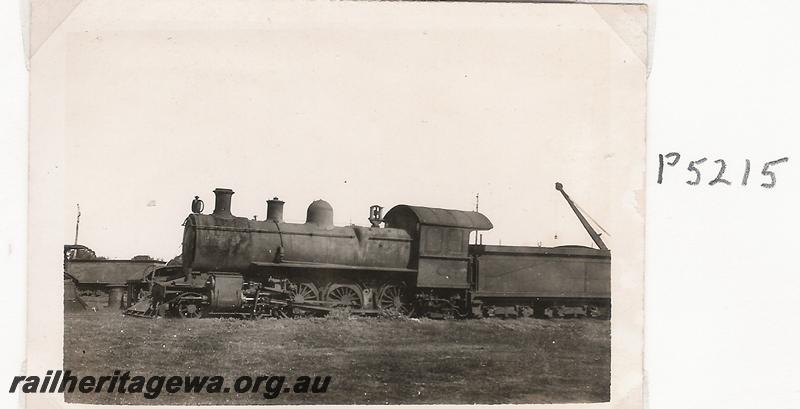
(348, 202)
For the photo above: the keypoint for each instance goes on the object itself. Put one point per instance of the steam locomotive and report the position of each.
(412, 261)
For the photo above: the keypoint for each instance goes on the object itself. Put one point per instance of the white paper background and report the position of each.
(13, 164)
(721, 281)
(721, 278)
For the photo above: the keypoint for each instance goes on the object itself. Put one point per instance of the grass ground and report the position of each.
(371, 361)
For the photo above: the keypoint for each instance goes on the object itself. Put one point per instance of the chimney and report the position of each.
(275, 210)
(222, 206)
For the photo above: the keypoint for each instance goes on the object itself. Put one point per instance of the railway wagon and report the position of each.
(102, 273)
(545, 281)
(98, 276)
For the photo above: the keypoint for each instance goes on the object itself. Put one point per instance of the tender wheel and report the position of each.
(346, 295)
(394, 297)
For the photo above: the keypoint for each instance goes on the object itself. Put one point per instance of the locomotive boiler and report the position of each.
(223, 242)
(419, 262)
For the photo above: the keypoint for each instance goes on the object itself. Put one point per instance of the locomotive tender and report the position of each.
(419, 263)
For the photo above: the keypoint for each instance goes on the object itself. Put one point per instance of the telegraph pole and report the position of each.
(477, 202)
(77, 223)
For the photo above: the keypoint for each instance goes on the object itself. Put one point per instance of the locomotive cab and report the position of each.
(441, 239)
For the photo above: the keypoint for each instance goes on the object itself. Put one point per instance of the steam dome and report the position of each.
(320, 213)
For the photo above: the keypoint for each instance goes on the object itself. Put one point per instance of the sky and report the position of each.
(405, 110)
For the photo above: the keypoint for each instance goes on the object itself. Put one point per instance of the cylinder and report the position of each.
(275, 210)
(222, 205)
(226, 292)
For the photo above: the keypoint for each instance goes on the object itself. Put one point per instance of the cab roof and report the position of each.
(441, 217)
